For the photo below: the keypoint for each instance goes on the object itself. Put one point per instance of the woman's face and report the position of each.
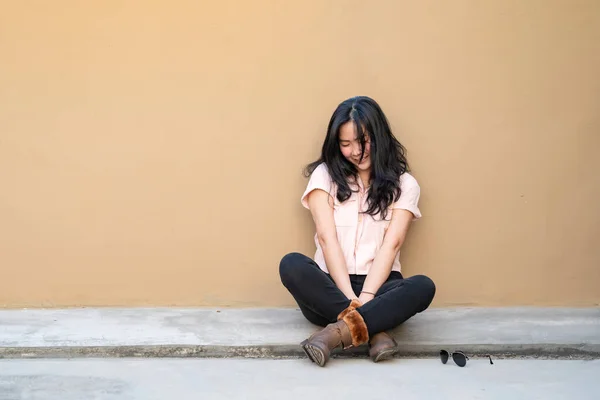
(351, 149)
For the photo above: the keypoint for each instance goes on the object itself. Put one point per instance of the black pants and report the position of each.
(321, 301)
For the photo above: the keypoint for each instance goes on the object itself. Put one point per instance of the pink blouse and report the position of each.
(360, 235)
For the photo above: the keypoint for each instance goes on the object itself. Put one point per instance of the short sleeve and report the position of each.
(319, 179)
(409, 196)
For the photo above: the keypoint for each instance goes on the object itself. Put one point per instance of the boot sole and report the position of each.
(314, 353)
(303, 344)
(384, 355)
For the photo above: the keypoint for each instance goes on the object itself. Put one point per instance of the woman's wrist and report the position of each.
(365, 297)
(352, 297)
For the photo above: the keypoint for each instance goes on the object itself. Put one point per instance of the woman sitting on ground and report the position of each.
(362, 200)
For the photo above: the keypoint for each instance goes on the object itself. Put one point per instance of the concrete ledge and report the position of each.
(276, 333)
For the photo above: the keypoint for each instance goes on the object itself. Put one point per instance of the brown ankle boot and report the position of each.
(382, 347)
(350, 331)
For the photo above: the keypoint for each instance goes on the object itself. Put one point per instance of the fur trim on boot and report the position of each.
(358, 329)
(354, 304)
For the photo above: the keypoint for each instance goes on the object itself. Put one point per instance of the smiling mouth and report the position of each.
(363, 160)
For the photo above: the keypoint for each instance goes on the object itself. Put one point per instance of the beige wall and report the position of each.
(151, 151)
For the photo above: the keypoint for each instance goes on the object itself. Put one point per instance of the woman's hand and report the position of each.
(365, 298)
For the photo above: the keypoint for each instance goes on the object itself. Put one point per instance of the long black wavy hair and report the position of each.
(388, 156)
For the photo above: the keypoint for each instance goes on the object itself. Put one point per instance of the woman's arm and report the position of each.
(322, 213)
(382, 265)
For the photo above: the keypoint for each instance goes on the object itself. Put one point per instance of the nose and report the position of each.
(356, 150)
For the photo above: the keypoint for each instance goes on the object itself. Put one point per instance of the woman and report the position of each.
(362, 200)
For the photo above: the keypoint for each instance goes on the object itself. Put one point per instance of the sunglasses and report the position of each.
(459, 358)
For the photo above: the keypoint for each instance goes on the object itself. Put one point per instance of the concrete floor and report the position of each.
(116, 332)
(179, 379)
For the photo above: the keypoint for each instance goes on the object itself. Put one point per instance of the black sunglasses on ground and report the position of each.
(459, 357)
